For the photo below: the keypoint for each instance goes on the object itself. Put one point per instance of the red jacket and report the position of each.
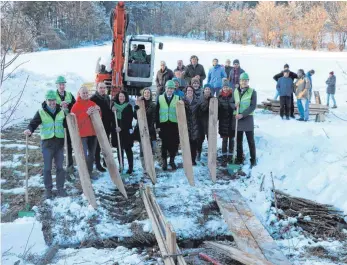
(84, 122)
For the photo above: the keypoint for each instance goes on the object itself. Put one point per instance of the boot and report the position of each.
(100, 167)
(104, 163)
(334, 107)
(129, 171)
(253, 163)
(62, 193)
(172, 163)
(48, 194)
(225, 161)
(198, 156)
(164, 165)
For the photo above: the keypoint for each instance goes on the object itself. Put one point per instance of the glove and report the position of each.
(137, 107)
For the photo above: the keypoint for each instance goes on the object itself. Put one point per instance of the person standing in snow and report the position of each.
(285, 90)
(195, 83)
(203, 116)
(178, 91)
(191, 103)
(293, 76)
(235, 73)
(66, 100)
(164, 74)
(180, 66)
(227, 68)
(309, 76)
(226, 107)
(246, 99)
(194, 70)
(302, 87)
(125, 114)
(181, 81)
(331, 88)
(83, 108)
(103, 101)
(215, 76)
(51, 119)
(167, 124)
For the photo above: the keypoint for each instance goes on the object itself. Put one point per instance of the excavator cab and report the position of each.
(139, 62)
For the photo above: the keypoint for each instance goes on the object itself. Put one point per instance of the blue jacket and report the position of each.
(309, 76)
(179, 93)
(285, 86)
(215, 76)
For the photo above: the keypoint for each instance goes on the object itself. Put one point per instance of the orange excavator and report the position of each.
(132, 63)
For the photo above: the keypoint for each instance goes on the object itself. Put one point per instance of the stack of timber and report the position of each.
(274, 106)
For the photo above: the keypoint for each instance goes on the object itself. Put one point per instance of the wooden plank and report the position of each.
(80, 159)
(107, 151)
(184, 141)
(266, 243)
(317, 97)
(235, 254)
(212, 138)
(241, 234)
(171, 240)
(145, 140)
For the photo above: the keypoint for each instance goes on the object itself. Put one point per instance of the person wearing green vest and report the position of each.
(246, 99)
(51, 119)
(167, 124)
(67, 100)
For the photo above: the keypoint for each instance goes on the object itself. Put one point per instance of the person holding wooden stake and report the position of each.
(226, 107)
(191, 103)
(51, 119)
(107, 116)
(246, 99)
(83, 108)
(124, 115)
(167, 124)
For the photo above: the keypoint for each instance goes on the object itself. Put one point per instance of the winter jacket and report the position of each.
(285, 86)
(182, 69)
(179, 93)
(198, 92)
(192, 112)
(192, 71)
(107, 115)
(215, 76)
(125, 123)
(203, 116)
(162, 78)
(84, 122)
(331, 82)
(226, 106)
(227, 70)
(292, 75)
(246, 124)
(36, 121)
(302, 86)
(151, 108)
(235, 76)
(309, 77)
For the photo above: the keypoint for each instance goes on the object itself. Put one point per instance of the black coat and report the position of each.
(226, 107)
(227, 71)
(107, 115)
(162, 78)
(204, 115)
(126, 138)
(192, 71)
(192, 113)
(151, 108)
(292, 75)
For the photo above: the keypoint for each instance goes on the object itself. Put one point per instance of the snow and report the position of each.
(305, 160)
(18, 146)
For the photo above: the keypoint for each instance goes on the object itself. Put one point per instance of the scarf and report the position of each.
(120, 108)
(226, 94)
(51, 110)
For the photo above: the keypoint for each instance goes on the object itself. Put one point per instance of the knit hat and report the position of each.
(51, 95)
(236, 61)
(226, 82)
(207, 85)
(331, 73)
(175, 79)
(195, 80)
(286, 66)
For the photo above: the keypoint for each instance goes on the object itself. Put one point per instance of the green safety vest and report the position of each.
(168, 113)
(49, 127)
(245, 100)
(68, 97)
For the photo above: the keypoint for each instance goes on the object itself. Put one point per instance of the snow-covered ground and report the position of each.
(307, 159)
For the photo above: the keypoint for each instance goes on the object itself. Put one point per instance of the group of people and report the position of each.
(236, 101)
(302, 88)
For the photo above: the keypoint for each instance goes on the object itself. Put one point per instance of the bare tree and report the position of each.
(337, 14)
(265, 14)
(240, 22)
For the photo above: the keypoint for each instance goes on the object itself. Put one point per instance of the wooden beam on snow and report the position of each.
(212, 138)
(80, 159)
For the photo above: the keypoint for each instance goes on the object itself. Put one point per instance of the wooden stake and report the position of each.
(145, 140)
(107, 151)
(212, 138)
(66, 149)
(26, 170)
(119, 146)
(184, 141)
(80, 159)
(317, 97)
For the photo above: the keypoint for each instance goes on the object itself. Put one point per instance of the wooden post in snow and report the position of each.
(80, 159)
(107, 151)
(145, 140)
(184, 141)
(212, 138)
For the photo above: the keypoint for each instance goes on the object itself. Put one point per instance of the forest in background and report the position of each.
(30, 26)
